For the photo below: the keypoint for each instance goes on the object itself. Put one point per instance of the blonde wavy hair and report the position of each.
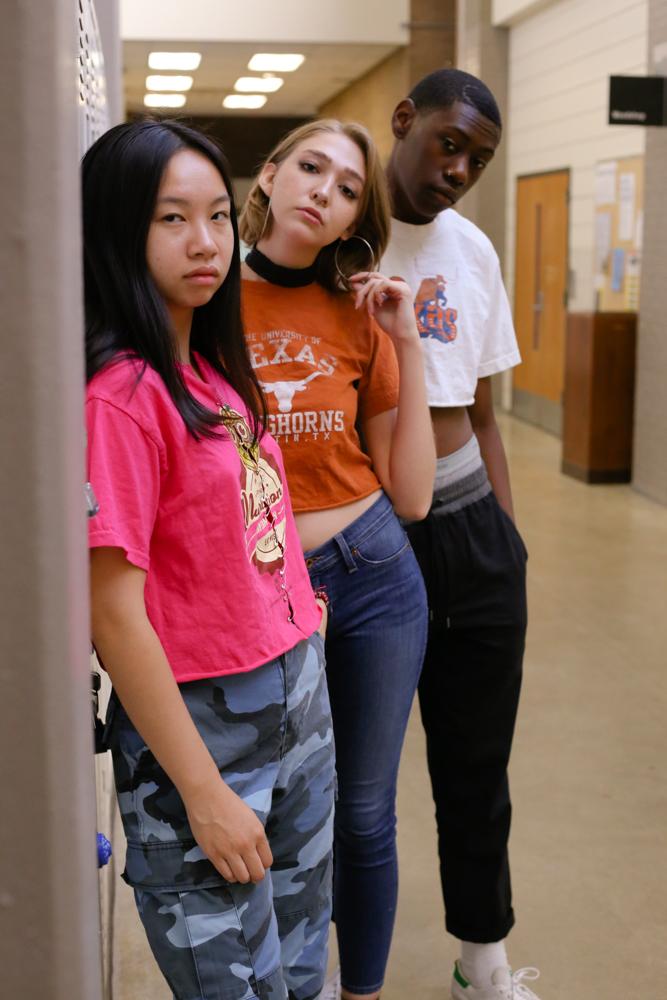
(373, 218)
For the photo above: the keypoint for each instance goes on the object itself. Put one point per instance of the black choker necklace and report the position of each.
(277, 274)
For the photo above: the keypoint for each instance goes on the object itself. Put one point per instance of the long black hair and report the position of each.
(125, 313)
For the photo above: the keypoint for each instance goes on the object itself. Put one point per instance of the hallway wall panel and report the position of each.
(650, 444)
(560, 60)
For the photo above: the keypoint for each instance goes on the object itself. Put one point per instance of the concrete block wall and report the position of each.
(482, 50)
(371, 99)
(650, 437)
(560, 60)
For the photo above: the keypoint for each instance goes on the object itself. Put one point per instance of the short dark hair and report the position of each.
(445, 87)
(124, 312)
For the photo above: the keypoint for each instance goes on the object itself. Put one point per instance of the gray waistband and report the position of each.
(463, 492)
(458, 465)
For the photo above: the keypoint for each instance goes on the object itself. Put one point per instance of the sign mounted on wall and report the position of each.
(638, 100)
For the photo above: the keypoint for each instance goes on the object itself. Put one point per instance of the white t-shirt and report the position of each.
(461, 304)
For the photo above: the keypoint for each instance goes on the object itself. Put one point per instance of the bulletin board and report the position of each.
(619, 223)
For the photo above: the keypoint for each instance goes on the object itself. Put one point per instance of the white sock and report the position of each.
(480, 961)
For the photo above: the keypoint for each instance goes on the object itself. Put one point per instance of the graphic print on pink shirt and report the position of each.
(262, 496)
(434, 318)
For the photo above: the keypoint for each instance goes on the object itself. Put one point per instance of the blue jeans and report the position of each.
(375, 644)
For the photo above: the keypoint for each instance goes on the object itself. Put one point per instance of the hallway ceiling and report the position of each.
(328, 69)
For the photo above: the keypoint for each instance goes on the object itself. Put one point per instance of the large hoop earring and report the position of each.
(346, 277)
(266, 219)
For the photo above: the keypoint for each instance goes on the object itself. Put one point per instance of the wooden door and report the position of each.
(540, 283)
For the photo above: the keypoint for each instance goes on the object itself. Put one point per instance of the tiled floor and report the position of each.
(589, 841)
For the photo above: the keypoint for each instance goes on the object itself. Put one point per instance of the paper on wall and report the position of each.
(632, 274)
(617, 269)
(602, 241)
(605, 183)
(626, 210)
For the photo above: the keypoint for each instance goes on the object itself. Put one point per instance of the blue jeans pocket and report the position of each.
(382, 545)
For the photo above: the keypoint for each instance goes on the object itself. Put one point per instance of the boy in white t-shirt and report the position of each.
(470, 552)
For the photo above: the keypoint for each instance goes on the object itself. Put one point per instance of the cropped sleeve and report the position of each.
(124, 471)
(378, 387)
(500, 350)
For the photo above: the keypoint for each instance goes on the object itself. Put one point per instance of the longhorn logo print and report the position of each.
(285, 391)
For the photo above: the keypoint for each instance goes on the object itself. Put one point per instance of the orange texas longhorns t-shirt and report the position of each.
(323, 366)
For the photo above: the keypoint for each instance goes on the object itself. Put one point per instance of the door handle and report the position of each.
(538, 307)
(538, 304)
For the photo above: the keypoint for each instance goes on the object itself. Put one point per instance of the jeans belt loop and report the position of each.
(346, 553)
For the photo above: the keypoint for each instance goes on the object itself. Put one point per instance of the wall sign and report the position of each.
(638, 100)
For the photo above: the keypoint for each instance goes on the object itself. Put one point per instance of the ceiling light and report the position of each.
(174, 60)
(164, 100)
(244, 101)
(279, 62)
(168, 82)
(263, 84)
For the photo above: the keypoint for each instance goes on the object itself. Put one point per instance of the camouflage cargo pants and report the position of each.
(269, 731)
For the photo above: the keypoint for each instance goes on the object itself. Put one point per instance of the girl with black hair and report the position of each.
(202, 609)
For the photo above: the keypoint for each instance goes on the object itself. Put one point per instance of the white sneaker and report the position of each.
(331, 989)
(505, 985)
